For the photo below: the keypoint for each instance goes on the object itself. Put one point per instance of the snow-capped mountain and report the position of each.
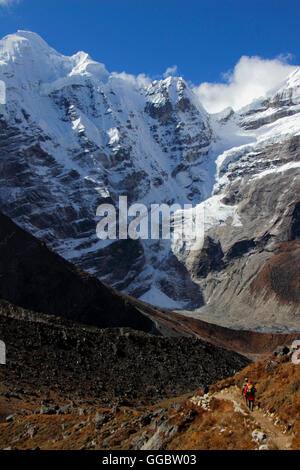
(73, 135)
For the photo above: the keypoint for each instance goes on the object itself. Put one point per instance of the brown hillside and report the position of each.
(219, 421)
(281, 275)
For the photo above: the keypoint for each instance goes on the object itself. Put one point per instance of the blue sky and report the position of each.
(203, 38)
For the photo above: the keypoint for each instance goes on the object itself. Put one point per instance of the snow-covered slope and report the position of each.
(73, 135)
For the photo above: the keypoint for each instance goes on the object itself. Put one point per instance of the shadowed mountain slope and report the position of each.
(36, 278)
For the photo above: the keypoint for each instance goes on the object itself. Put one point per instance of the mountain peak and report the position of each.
(31, 36)
(293, 80)
(17, 43)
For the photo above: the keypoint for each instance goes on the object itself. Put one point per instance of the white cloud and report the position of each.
(251, 78)
(170, 71)
(140, 80)
(8, 2)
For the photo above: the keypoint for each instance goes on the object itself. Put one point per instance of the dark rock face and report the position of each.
(210, 258)
(161, 113)
(295, 225)
(183, 289)
(240, 248)
(48, 354)
(36, 278)
(116, 262)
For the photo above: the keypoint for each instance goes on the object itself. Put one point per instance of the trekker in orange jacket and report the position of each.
(250, 395)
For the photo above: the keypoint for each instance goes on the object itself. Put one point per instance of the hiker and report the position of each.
(204, 390)
(243, 389)
(250, 395)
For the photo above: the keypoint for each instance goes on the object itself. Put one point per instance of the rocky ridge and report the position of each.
(50, 355)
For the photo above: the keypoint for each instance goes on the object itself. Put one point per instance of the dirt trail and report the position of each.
(275, 437)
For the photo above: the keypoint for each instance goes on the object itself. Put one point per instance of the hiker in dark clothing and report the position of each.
(204, 390)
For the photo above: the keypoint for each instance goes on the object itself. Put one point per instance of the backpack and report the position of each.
(250, 390)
